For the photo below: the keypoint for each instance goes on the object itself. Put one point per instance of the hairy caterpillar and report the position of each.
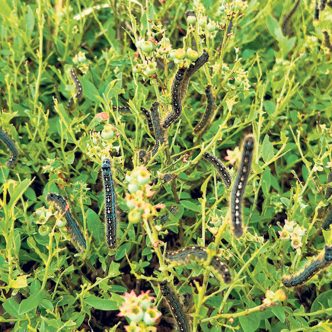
(192, 69)
(141, 156)
(323, 4)
(121, 108)
(329, 188)
(147, 115)
(240, 185)
(327, 40)
(328, 220)
(198, 253)
(110, 203)
(287, 18)
(157, 129)
(221, 168)
(176, 307)
(63, 207)
(168, 177)
(308, 272)
(316, 15)
(204, 122)
(79, 91)
(176, 98)
(11, 146)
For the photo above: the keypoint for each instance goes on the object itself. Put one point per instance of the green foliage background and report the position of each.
(277, 87)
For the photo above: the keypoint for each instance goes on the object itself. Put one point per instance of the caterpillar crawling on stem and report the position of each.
(322, 261)
(176, 307)
(239, 185)
(110, 203)
(176, 98)
(192, 69)
(63, 208)
(187, 254)
(11, 147)
(220, 167)
(78, 87)
(206, 118)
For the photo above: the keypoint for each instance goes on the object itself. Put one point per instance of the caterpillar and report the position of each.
(141, 156)
(63, 207)
(316, 14)
(11, 146)
(110, 203)
(168, 177)
(198, 253)
(157, 129)
(323, 4)
(328, 253)
(328, 220)
(221, 168)
(121, 108)
(185, 254)
(240, 185)
(329, 188)
(176, 98)
(206, 118)
(176, 307)
(79, 91)
(327, 40)
(147, 115)
(287, 18)
(308, 272)
(192, 69)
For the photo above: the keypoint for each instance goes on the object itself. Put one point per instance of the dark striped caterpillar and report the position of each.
(285, 23)
(176, 307)
(121, 108)
(323, 4)
(328, 220)
(63, 207)
(11, 146)
(176, 98)
(322, 261)
(110, 203)
(239, 185)
(316, 15)
(147, 115)
(327, 40)
(79, 91)
(184, 255)
(221, 168)
(192, 69)
(329, 188)
(157, 129)
(206, 118)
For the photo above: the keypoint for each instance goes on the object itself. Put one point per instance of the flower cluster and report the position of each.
(272, 297)
(140, 311)
(139, 192)
(81, 62)
(293, 232)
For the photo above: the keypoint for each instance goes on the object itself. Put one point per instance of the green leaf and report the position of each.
(250, 323)
(11, 307)
(279, 312)
(90, 91)
(266, 181)
(17, 191)
(95, 226)
(274, 28)
(30, 303)
(322, 301)
(267, 149)
(100, 304)
(191, 206)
